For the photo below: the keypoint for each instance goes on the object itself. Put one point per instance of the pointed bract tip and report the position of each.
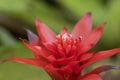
(101, 27)
(115, 67)
(28, 31)
(109, 67)
(3, 61)
(105, 23)
(89, 14)
(36, 18)
(37, 21)
(22, 39)
(64, 28)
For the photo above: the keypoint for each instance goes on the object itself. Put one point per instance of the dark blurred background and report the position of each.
(16, 15)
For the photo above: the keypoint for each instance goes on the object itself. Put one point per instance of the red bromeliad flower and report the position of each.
(64, 56)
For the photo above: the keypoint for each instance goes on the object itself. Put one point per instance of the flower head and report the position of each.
(64, 56)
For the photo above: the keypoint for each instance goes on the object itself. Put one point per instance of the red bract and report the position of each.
(64, 56)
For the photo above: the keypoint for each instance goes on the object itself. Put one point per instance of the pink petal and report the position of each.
(85, 57)
(39, 52)
(33, 39)
(25, 60)
(46, 34)
(83, 26)
(102, 69)
(64, 30)
(36, 49)
(92, 77)
(97, 56)
(90, 39)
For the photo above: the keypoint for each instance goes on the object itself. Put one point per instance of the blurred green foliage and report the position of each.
(5, 36)
(16, 71)
(15, 15)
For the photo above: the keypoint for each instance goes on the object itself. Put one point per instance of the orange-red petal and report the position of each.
(83, 26)
(90, 39)
(25, 60)
(45, 33)
(97, 56)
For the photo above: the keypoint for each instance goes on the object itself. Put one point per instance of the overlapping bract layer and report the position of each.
(65, 55)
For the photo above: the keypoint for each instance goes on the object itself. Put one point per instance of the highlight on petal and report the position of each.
(83, 26)
(90, 39)
(101, 55)
(92, 77)
(102, 69)
(33, 39)
(46, 34)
